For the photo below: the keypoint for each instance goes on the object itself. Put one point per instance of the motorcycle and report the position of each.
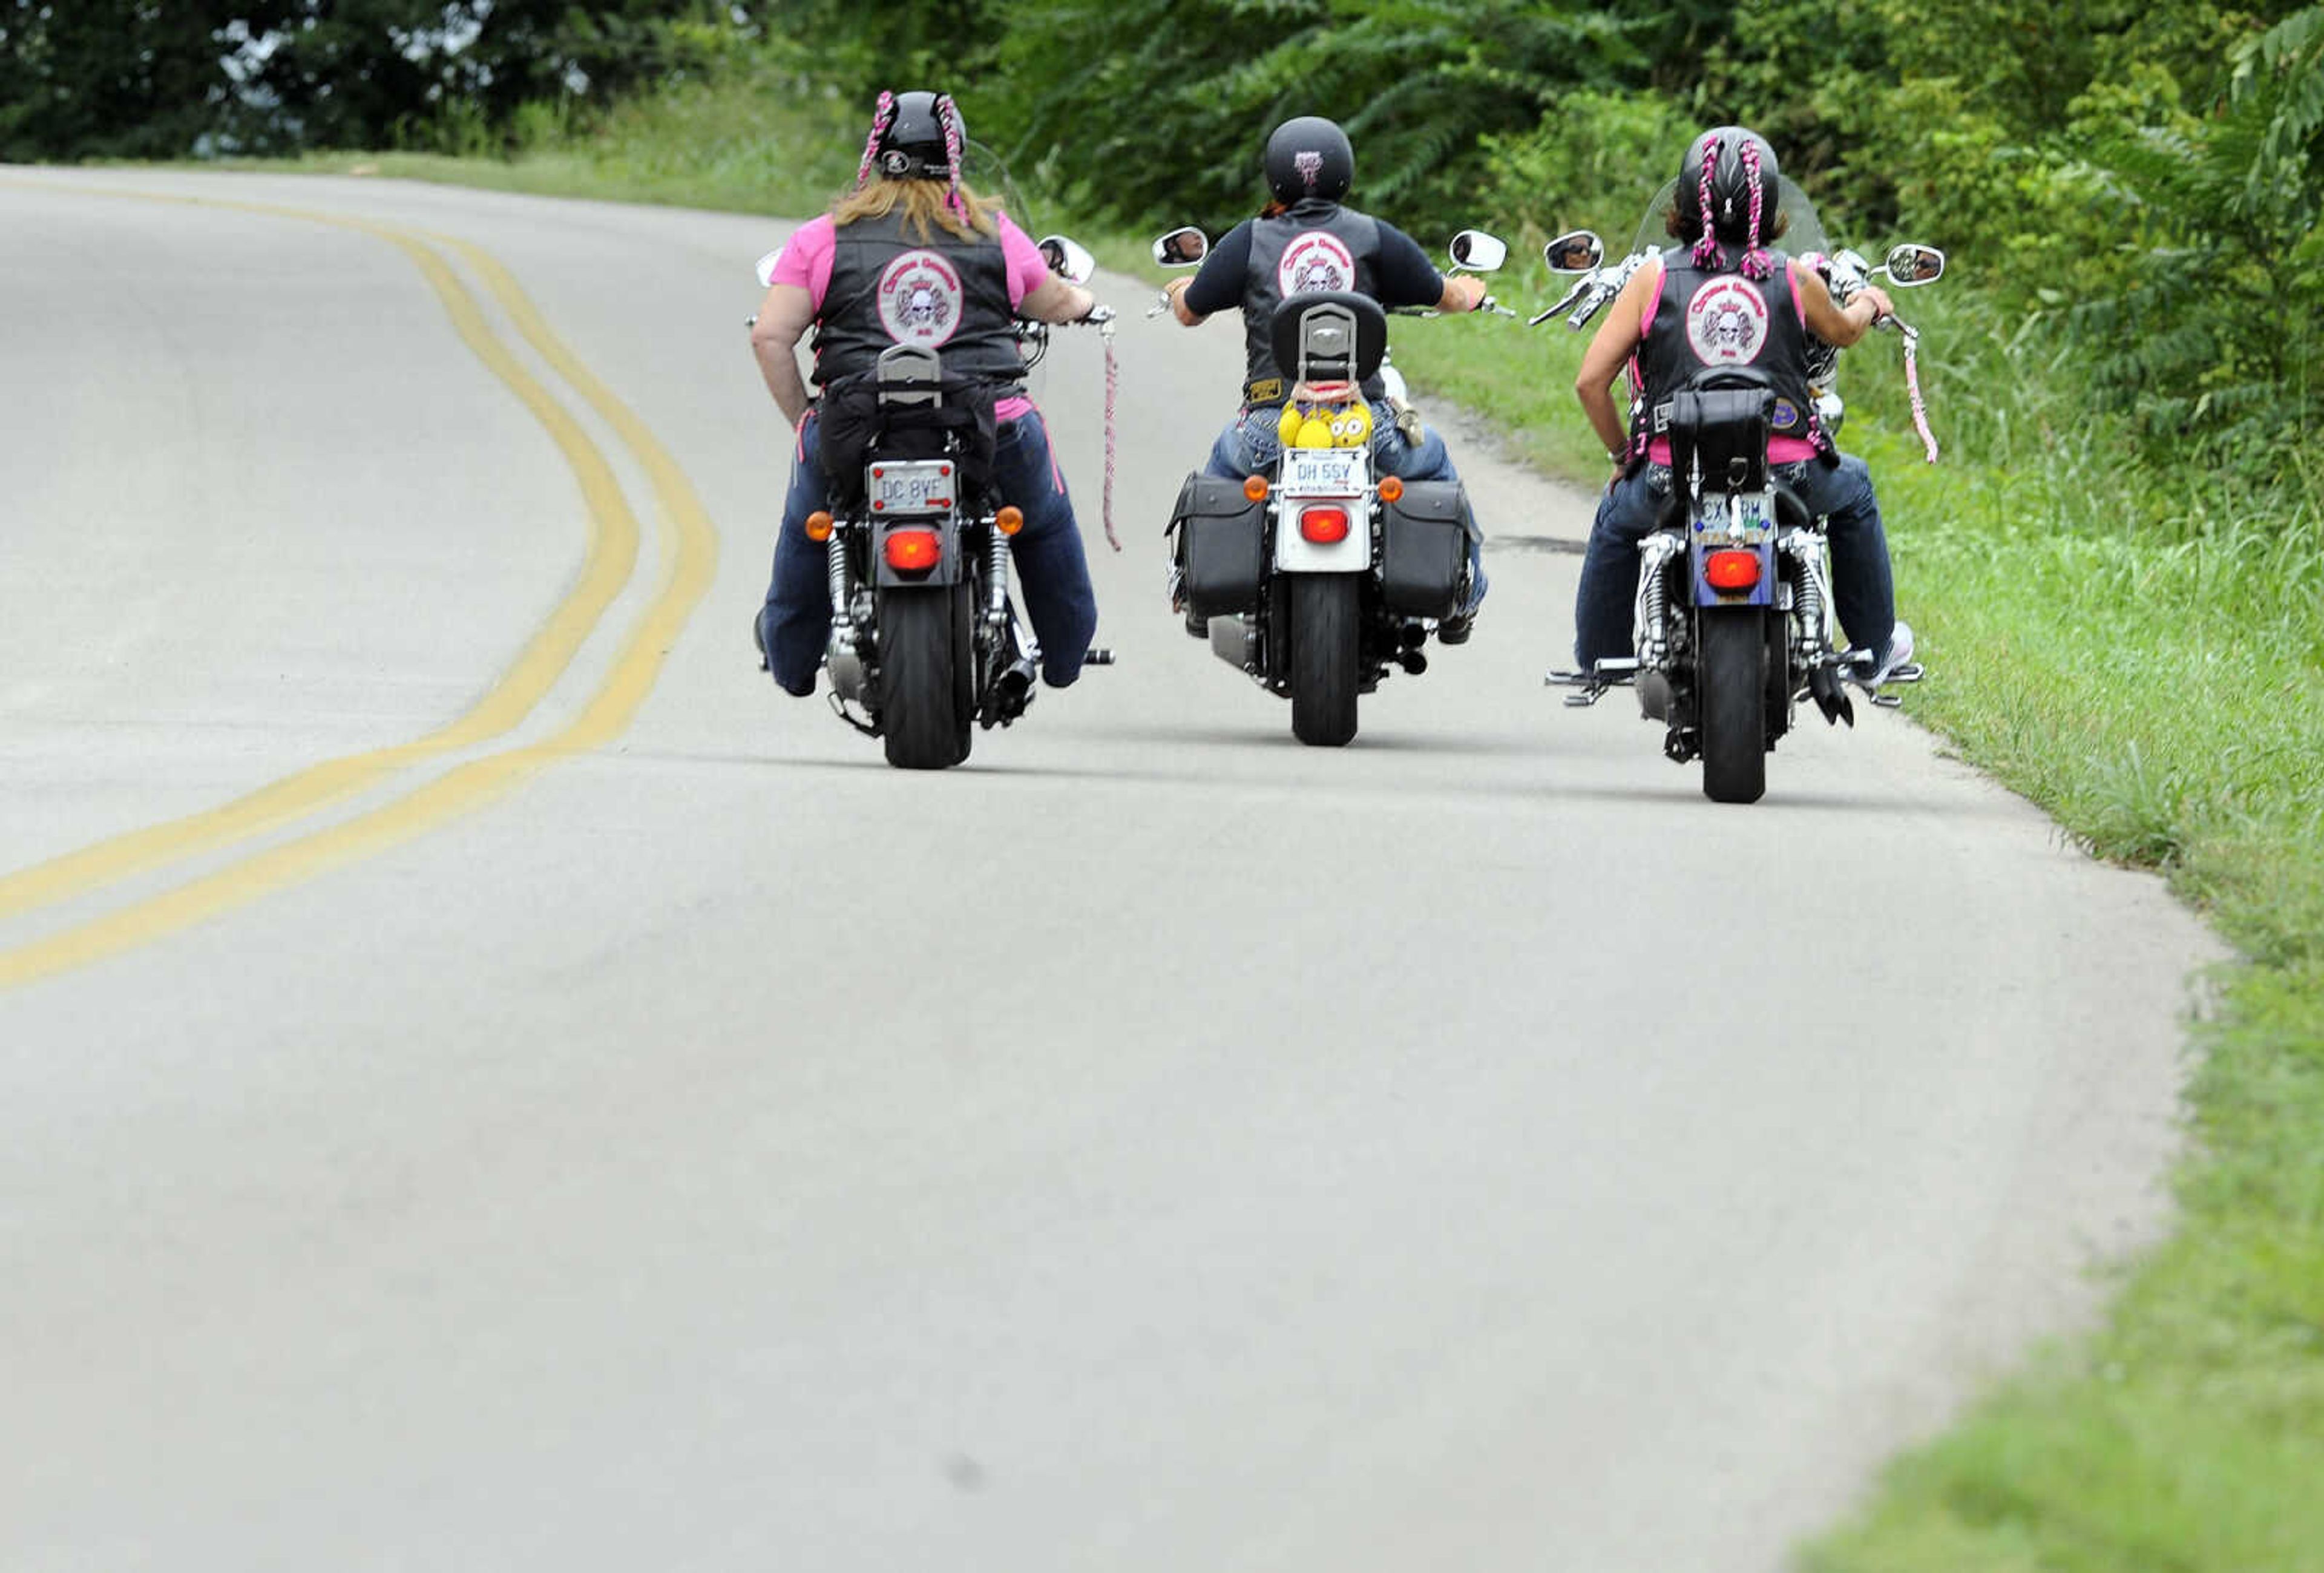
(1318, 578)
(1733, 622)
(925, 640)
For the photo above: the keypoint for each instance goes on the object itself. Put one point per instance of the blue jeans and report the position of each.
(1252, 442)
(1052, 573)
(1864, 595)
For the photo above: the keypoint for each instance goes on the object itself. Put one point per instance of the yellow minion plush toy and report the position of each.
(1316, 425)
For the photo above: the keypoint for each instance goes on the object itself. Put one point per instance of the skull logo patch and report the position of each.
(920, 299)
(1726, 321)
(1316, 259)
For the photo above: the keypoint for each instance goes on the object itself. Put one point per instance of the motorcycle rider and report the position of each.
(1307, 239)
(1712, 301)
(912, 256)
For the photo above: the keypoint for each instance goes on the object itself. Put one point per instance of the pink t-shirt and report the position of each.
(1780, 449)
(807, 258)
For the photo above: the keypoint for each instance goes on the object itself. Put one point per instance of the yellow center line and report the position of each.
(610, 560)
(690, 561)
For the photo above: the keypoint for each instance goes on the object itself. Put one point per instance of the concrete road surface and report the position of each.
(485, 1082)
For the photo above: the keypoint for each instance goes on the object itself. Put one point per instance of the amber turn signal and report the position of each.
(1391, 488)
(1255, 488)
(1010, 520)
(818, 526)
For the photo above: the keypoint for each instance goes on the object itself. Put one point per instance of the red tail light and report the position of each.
(1731, 571)
(1323, 525)
(913, 550)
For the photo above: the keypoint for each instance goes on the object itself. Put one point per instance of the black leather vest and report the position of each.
(1715, 316)
(889, 287)
(1316, 245)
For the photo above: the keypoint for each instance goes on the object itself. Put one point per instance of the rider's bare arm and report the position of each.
(784, 317)
(1462, 292)
(1053, 300)
(1827, 318)
(1610, 349)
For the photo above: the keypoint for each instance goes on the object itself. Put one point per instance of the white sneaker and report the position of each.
(1899, 651)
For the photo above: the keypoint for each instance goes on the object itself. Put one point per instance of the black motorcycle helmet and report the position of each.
(1720, 173)
(908, 136)
(1309, 157)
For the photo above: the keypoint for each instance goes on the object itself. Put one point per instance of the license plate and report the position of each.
(1324, 472)
(920, 486)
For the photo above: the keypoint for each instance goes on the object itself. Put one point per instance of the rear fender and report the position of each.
(1725, 523)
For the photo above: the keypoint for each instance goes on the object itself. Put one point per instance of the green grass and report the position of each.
(2142, 655)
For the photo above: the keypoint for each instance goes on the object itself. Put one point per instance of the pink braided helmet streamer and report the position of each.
(948, 115)
(880, 119)
(1756, 264)
(1706, 244)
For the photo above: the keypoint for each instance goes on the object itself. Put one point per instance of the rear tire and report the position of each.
(1730, 683)
(927, 676)
(1324, 657)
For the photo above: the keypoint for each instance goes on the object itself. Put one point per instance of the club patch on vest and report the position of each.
(1316, 260)
(1726, 322)
(920, 299)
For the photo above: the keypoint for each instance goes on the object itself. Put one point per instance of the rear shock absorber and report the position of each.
(996, 577)
(835, 558)
(1806, 551)
(1650, 637)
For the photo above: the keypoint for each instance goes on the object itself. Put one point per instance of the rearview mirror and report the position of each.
(1066, 259)
(1182, 248)
(1577, 251)
(1478, 251)
(1915, 264)
(767, 265)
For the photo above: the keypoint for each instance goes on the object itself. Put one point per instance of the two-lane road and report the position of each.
(485, 1082)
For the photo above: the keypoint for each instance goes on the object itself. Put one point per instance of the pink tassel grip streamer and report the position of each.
(881, 117)
(1913, 388)
(1113, 387)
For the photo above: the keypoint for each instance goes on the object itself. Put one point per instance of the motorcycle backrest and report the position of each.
(1329, 336)
(910, 373)
(1717, 429)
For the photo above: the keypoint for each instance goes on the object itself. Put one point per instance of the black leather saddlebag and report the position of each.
(1720, 422)
(1221, 545)
(1424, 548)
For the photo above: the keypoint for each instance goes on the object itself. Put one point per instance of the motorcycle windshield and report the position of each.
(1803, 230)
(985, 172)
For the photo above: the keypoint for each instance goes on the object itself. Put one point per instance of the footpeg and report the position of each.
(1099, 655)
(1592, 689)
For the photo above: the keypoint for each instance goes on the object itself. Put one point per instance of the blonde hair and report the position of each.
(923, 202)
